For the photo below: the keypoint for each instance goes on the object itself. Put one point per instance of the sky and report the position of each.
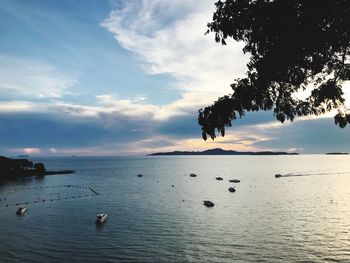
(127, 78)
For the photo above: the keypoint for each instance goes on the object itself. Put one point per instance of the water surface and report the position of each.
(160, 217)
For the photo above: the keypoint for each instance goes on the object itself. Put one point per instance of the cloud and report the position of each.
(168, 38)
(25, 150)
(309, 135)
(26, 78)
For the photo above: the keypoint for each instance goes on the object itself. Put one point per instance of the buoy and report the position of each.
(232, 190)
(208, 204)
(234, 181)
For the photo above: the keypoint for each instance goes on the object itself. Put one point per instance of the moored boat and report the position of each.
(234, 181)
(101, 218)
(232, 189)
(21, 210)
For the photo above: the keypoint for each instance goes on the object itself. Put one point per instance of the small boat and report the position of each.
(208, 203)
(193, 175)
(232, 189)
(278, 175)
(234, 181)
(101, 218)
(21, 210)
(219, 178)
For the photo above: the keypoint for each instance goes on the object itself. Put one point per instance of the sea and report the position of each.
(304, 216)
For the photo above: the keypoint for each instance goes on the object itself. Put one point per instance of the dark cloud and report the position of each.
(314, 136)
(180, 127)
(241, 140)
(51, 130)
(156, 143)
(45, 130)
(187, 126)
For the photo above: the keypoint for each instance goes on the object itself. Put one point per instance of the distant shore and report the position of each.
(219, 151)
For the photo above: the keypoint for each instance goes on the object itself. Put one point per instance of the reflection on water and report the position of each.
(160, 217)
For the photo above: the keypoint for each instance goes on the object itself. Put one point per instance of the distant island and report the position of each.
(337, 153)
(23, 156)
(219, 151)
(16, 168)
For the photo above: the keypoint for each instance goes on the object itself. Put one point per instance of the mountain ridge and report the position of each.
(219, 151)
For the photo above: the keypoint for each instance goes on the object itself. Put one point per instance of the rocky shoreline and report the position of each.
(17, 168)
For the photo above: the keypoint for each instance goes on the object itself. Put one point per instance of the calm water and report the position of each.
(299, 218)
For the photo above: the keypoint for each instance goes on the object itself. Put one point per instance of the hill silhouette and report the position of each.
(219, 151)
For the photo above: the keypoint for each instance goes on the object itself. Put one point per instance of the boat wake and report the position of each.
(311, 174)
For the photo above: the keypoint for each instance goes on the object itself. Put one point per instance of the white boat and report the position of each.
(101, 218)
(21, 210)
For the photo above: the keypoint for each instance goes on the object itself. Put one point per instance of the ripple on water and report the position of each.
(300, 218)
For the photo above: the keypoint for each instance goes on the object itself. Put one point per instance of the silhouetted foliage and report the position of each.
(17, 168)
(294, 45)
(13, 167)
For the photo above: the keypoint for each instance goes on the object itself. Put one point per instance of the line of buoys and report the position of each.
(47, 187)
(2, 199)
(48, 200)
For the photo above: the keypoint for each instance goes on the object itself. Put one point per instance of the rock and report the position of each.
(40, 168)
(139, 175)
(208, 204)
(234, 181)
(231, 189)
(278, 175)
(193, 175)
(219, 178)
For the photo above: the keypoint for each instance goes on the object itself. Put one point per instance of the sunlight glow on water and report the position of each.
(296, 218)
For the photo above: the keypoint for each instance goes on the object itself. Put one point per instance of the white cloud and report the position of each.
(16, 106)
(32, 79)
(168, 37)
(25, 150)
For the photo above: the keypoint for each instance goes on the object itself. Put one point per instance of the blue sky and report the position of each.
(127, 77)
